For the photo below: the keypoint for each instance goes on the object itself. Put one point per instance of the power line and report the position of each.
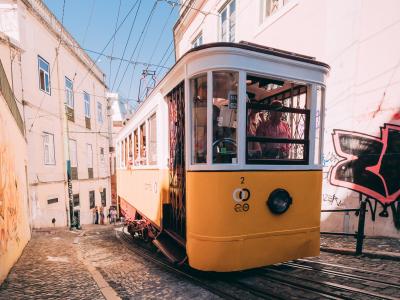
(165, 53)
(161, 34)
(127, 42)
(156, 47)
(137, 44)
(89, 22)
(112, 48)
(157, 75)
(173, 3)
(119, 58)
(109, 41)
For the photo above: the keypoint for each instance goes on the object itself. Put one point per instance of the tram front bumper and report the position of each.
(235, 253)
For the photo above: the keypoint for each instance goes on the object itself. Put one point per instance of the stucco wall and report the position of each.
(358, 40)
(14, 225)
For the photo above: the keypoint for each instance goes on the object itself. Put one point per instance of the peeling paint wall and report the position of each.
(14, 224)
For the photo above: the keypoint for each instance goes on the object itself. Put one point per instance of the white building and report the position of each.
(57, 81)
(362, 119)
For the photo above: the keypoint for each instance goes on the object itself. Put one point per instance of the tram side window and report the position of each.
(152, 140)
(130, 157)
(198, 92)
(126, 158)
(136, 147)
(121, 153)
(143, 150)
(225, 100)
(278, 121)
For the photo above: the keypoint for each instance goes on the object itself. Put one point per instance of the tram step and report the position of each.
(170, 248)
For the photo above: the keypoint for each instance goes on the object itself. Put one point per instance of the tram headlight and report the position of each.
(279, 201)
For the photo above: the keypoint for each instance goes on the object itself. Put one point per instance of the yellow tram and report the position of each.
(223, 159)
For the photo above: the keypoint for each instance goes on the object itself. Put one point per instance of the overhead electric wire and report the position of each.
(137, 44)
(155, 47)
(188, 6)
(127, 42)
(109, 41)
(165, 53)
(89, 22)
(112, 47)
(119, 58)
(161, 34)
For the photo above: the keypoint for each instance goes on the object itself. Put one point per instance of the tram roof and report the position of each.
(261, 49)
(241, 45)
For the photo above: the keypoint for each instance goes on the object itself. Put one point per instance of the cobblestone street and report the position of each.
(94, 264)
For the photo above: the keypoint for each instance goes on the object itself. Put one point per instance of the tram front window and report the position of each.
(224, 116)
(198, 90)
(277, 121)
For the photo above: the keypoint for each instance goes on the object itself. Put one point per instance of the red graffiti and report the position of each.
(370, 165)
(396, 116)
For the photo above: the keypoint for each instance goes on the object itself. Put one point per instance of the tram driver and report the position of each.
(274, 127)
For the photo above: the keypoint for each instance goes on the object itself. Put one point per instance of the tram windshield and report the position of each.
(277, 121)
(225, 96)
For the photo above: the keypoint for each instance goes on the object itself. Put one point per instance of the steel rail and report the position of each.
(273, 275)
(306, 289)
(347, 267)
(340, 274)
(266, 272)
(245, 287)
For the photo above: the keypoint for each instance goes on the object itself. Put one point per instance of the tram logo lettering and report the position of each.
(241, 196)
(370, 165)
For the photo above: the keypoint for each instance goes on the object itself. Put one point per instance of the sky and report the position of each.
(93, 22)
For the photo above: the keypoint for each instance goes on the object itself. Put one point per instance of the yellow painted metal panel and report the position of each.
(222, 236)
(144, 189)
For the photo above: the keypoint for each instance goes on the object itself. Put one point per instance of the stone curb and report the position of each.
(371, 254)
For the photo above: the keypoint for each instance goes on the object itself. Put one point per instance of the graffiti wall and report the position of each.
(14, 225)
(362, 117)
(365, 167)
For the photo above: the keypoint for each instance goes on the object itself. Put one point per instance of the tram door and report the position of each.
(175, 211)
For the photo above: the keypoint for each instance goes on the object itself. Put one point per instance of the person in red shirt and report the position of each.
(275, 127)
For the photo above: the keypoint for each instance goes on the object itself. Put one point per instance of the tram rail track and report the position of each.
(341, 274)
(330, 288)
(127, 240)
(358, 270)
(234, 287)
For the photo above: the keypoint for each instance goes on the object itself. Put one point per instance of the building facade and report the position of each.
(14, 206)
(66, 114)
(362, 111)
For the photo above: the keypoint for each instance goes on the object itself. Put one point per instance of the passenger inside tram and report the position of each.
(276, 119)
(274, 127)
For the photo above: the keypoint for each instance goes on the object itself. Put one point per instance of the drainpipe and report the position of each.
(65, 136)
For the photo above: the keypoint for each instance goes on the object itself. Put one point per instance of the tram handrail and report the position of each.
(359, 234)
